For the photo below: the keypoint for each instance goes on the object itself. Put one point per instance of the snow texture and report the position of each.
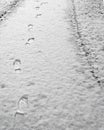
(51, 65)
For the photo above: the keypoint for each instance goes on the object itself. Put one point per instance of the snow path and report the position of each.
(36, 56)
(49, 50)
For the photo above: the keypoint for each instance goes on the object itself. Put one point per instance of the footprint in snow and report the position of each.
(38, 15)
(30, 41)
(17, 64)
(37, 7)
(23, 102)
(22, 105)
(43, 3)
(30, 27)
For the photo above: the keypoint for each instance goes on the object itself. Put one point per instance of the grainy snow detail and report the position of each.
(48, 79)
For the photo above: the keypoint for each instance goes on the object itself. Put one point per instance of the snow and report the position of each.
(43, 83)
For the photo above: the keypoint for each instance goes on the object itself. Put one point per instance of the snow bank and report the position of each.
(6, 5)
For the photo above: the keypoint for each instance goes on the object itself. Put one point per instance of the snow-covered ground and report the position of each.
(37, 59)
(5, 5)
(43, 84)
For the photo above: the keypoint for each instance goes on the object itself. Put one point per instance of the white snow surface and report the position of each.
(37, 68)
